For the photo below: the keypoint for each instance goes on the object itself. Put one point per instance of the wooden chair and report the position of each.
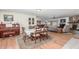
(23, 29)
(35, 36)
(25, 36)
(44, 33)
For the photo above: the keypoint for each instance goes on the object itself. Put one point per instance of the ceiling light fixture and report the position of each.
(38, 9)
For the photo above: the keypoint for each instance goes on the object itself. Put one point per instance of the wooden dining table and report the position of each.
(29, 31)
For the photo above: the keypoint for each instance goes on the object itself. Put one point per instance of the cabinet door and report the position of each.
(29, 21)
(33, 20)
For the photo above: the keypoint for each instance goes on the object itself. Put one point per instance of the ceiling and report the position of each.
(47, 13)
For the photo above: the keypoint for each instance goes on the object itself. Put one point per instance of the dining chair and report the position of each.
(23, 29)
(35, 36)
(44, 33)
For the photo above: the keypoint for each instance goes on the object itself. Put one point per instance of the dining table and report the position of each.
(29, 32)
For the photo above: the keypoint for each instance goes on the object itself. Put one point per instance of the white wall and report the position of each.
(58, 20)
(54, 22)
(21, 18)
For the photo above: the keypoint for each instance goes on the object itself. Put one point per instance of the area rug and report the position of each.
(73, 43)
(28, 44)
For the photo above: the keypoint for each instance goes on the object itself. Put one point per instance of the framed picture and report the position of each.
(8, 18)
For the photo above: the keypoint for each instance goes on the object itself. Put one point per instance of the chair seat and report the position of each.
(36, 35)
